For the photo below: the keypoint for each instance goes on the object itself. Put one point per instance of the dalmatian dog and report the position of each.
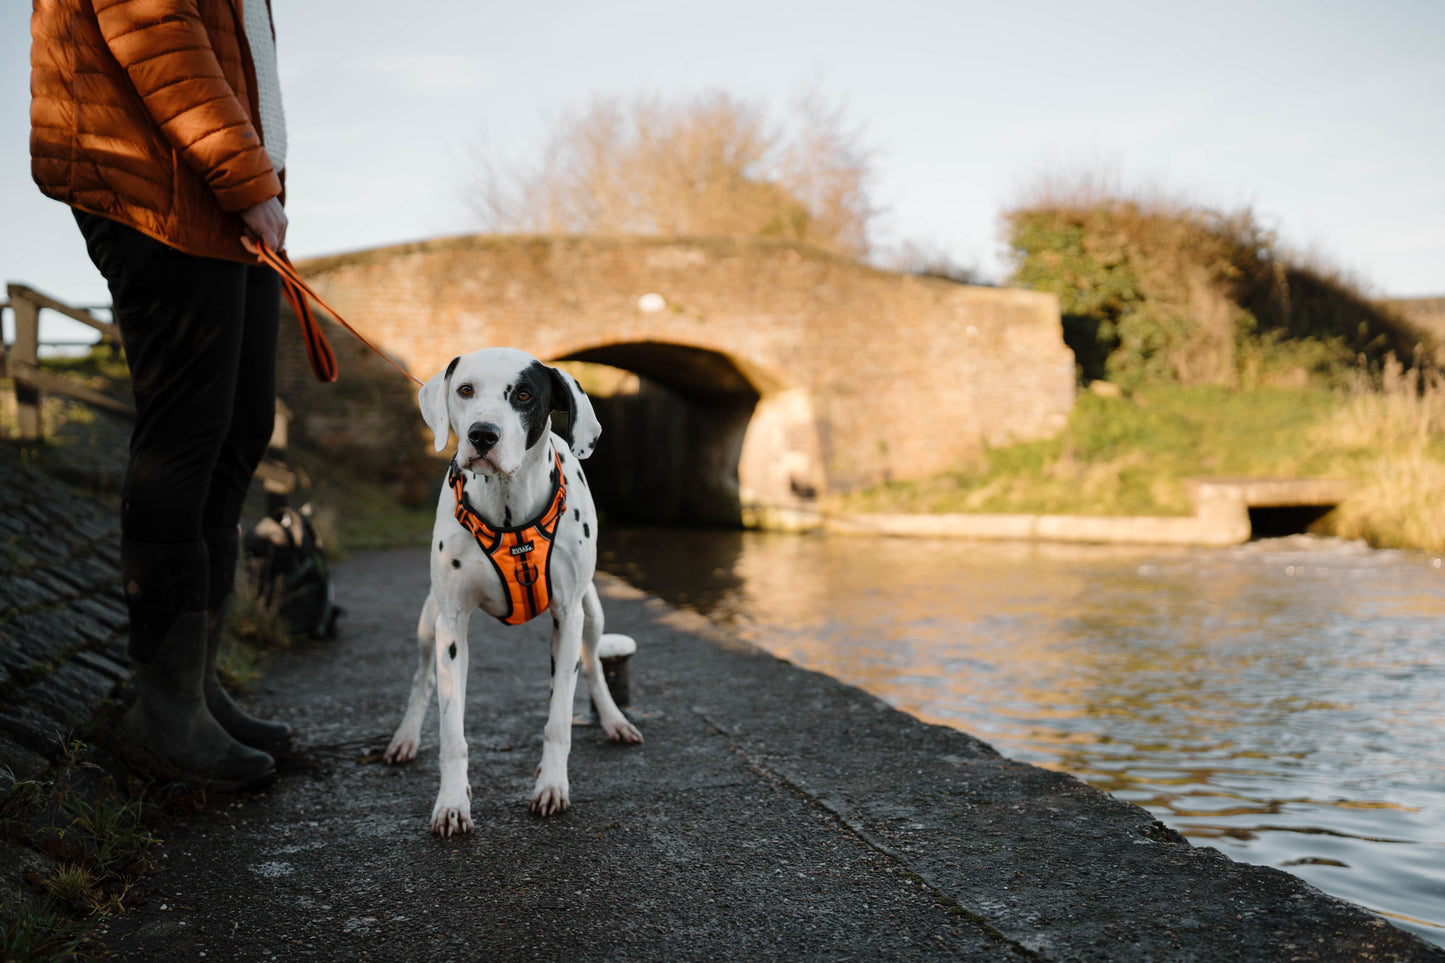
(510, 474)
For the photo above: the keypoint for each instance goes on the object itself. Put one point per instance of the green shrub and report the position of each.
(1156, 291)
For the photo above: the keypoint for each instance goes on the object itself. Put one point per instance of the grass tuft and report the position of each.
(1390, 433)
(99, 843)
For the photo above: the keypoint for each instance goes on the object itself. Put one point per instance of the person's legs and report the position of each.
(180, 319)
(253, 413)
(253, 404)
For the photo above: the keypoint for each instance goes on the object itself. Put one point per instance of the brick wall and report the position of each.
(62, 616)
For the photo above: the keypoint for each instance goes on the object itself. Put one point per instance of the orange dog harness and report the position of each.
(521, 556)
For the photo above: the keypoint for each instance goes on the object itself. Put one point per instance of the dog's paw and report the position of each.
(620, 730)
(450, 817)
(400, 749)
(550, 796)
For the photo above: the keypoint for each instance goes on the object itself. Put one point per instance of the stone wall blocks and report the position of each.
(40, 636)
(60, 704)
(18, 763)
(32, 730)
(13, 662)
(116, 671)
(54, 582)
(15, 595)
(33, 591)
(112, 615)
(86, 630)
(32, 512)
(116, 651)
(76, 575)
(74, 690)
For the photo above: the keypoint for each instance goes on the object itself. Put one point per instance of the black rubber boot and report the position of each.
(168, 732)
(222, 544)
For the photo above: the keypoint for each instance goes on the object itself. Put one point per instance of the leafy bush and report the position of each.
(1158, 291)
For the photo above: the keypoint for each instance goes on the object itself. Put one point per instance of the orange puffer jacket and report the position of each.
(141, 111)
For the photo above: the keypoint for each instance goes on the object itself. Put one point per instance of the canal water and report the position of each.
(1282, 701)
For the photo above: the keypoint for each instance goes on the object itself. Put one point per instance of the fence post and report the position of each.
(25, 359)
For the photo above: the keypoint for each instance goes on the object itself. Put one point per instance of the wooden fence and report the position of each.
(20, 360)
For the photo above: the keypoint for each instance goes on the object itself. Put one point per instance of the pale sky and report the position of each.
(1327, 118)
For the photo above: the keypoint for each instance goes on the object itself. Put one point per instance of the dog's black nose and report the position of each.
(484, 436)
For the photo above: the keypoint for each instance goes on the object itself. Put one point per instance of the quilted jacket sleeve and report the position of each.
(165, 50)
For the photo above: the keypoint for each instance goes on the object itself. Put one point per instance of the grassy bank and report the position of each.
(1130, 455)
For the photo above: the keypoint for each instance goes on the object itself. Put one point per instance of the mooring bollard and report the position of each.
(615, 651)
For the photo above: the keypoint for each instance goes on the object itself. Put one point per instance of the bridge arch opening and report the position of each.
(691, 437)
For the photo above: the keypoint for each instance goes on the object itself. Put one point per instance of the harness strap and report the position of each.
(296, 291)
(521, 556)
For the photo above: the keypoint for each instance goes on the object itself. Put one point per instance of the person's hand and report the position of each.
(265, 222)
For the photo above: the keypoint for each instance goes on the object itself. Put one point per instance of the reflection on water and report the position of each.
(1281, 701)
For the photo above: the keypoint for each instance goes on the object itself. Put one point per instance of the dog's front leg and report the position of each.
(407, 738)
(453, 810)
(551, 792)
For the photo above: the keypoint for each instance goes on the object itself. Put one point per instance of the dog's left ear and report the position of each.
(583, 429)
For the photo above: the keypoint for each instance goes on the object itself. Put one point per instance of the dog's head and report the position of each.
(500, 401)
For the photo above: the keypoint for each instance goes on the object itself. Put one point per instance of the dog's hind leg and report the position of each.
(613, 721)
(404, 742)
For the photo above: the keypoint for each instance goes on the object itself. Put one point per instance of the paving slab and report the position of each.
(772, 813)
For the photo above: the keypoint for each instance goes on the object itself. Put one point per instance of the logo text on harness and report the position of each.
(523, 549)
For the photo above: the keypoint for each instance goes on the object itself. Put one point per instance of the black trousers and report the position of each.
(200, 338)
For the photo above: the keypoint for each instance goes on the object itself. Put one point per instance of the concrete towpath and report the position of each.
(772, 813)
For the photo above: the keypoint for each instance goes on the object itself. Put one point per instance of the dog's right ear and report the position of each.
(433, 400)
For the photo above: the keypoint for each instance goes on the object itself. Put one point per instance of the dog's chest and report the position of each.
(509, 568)
(460, 564)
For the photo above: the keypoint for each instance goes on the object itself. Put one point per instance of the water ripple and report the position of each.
(1280, 700)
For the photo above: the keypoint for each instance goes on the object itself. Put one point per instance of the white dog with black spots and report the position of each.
(499, 401)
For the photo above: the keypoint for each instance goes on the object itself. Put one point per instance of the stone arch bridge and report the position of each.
(796, 373)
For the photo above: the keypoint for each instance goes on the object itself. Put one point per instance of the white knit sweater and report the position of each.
(268, 81)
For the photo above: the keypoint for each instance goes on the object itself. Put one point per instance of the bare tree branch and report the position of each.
(710, 164)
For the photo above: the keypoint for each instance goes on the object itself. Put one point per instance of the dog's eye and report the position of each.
(524, 395)
(466, 391)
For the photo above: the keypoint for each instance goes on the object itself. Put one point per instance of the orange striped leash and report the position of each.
(296, 292)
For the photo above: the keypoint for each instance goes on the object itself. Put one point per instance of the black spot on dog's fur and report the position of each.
(452, 652)
(453, 366)
(507, 518)
(440, 546)
(535, 413)
(576, 514)
(456, 563)
(554, 665)
(586, 530)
